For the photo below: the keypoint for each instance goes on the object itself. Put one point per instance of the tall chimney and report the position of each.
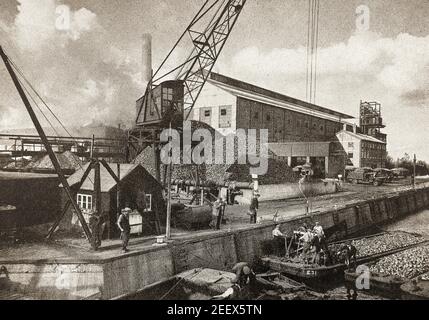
(146, 59)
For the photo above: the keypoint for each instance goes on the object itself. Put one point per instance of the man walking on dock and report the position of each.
(221, 213)
(124, 225)
(254, 206)
(216, 213)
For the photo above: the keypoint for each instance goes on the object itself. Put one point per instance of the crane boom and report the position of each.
(172, 101)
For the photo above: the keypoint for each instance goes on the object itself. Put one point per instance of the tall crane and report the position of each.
(172, 92)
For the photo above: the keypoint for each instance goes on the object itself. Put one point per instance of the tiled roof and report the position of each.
(107, 181)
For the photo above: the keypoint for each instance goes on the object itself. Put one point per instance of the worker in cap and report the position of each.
(221, 212)
(278, 240)
(124, 225)
(216, 212)
(243, 274)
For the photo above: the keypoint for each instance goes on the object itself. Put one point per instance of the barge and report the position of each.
(402, 269)
(296, 266)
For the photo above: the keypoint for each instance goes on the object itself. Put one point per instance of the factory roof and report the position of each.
(298, 149)
(11, 175)
(250, 91)
(361, 136)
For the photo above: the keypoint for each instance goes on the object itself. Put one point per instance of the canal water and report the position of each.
(332, 290)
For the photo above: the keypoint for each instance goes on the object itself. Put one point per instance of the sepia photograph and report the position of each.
(215, 155)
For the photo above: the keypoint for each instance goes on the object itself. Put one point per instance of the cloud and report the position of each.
(46, 22)
(82, 21)
(418, 97)
(77, 70)
(400, 64)
(393, 71)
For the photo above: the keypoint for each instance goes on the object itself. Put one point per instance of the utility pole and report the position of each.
(414, 171)
(168, 223)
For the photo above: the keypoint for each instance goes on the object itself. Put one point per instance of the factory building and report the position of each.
(363, 150)
(298, 132)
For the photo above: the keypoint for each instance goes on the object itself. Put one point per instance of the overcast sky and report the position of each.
(92, 70)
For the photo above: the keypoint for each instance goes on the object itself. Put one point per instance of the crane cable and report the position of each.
(312, 49)
(20, 72)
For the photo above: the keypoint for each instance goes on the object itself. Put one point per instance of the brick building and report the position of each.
(298, 131)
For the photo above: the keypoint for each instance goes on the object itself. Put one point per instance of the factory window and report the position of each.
(167, 94)
(268, 117)
(84, 201)
(314, 126)
(306, 124)
(207, 113)
(351, 145)
(350, 155)
(256, 115)
(322, 128)
(225, 116)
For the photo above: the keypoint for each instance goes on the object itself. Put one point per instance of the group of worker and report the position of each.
(313, 240)
(218, 210)
(218, 213)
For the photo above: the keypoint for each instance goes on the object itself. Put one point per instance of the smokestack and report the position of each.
(146, 59)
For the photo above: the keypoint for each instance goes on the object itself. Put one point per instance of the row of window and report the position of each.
(84, 201)
(373, 146)
(371, 154)
(224, 116)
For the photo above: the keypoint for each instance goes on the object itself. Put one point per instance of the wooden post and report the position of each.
(91, 152)
(168, 224)
(98, 212)
(68, 203)
(414, 171)
(118, 191)
(48, 147)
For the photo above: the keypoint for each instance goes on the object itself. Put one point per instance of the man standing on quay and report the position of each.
(124, 225)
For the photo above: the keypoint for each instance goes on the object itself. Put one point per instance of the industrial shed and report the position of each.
(35, 196)
(138, 191)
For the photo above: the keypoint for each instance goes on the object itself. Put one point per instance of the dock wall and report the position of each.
(272, 192)
(130, 273)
